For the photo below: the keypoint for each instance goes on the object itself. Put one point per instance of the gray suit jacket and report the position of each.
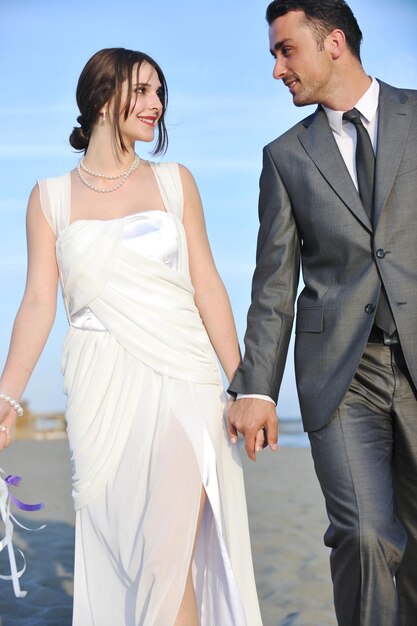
(311, 214)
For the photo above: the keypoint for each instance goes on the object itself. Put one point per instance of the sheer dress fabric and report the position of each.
(145, 423)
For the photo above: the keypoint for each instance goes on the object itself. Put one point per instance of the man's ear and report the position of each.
(335, 43)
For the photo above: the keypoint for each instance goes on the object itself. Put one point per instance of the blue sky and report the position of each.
(224, 106)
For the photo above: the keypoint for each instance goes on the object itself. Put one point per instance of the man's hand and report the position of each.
(254, 419)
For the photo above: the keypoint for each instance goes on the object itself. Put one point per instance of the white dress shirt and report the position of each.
(344, 133)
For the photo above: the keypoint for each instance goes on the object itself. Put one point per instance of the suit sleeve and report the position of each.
(274, 289)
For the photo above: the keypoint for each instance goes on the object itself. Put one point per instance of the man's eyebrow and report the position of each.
(279, 44)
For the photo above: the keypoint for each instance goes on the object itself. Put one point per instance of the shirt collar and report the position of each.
(367, 106)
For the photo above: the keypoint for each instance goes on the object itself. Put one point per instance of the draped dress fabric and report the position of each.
(145, 423)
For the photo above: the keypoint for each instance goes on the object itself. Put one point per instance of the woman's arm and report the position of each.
(210, 294)
(36, 313)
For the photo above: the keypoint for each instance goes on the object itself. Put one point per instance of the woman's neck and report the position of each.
(103, 157)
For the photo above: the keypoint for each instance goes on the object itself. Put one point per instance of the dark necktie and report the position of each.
(365, 161)
(365, 171)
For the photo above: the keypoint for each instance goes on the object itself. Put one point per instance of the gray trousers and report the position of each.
(366, 462)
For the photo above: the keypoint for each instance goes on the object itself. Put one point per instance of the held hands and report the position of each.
(256, 420)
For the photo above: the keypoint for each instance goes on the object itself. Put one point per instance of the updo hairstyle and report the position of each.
(100, 81)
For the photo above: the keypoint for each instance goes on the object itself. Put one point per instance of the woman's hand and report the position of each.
(7, 423)
(256, 420)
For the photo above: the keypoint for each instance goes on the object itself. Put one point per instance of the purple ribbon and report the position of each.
(15, 481)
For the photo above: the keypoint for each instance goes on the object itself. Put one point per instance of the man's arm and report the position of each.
(270, 315)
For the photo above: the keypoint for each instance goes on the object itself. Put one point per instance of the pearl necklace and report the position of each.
(124, 176)
(85, 168)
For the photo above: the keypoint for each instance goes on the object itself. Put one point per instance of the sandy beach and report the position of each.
(287, 519)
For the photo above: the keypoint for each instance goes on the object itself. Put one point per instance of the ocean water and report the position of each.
(291, 433)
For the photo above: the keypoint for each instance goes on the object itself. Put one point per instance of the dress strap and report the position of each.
(170, 186)
(55, 196)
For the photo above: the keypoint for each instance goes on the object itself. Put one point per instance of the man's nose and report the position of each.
(279, 69)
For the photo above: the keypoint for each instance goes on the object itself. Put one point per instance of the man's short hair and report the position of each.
(322, 16)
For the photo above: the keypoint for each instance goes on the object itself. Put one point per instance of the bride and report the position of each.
(161, 525)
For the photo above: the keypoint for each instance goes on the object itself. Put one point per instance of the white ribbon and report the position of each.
(8, 519)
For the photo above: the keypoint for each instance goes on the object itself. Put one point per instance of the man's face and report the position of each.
(300, 62)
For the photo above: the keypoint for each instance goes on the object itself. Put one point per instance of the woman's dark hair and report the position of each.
(322, 16)
(100, 81)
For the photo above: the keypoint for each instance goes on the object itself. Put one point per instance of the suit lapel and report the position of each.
(319, 143)
(393, 127)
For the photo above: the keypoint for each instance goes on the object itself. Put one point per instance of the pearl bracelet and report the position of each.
(13, 403)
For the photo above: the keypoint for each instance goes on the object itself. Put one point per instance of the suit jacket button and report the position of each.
(369, 308)
(380, 253)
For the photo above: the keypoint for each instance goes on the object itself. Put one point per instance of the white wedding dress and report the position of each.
(145, 423)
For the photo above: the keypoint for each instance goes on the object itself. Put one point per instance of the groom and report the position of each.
(338, 196)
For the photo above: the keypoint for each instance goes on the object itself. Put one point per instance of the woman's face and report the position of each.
(145, 107)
